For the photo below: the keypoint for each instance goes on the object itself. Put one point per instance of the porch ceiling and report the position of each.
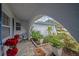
(28, 10)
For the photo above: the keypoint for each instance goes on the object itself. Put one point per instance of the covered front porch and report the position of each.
(41, 37)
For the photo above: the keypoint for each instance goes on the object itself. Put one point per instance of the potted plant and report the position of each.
(56, 43)
(36, 35)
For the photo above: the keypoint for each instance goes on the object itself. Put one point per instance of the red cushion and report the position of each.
(12, 52)
(11, 42)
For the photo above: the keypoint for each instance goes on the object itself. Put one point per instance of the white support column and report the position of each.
(11, 28)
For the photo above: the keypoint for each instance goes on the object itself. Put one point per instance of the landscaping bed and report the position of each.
(68, 52)
(62, 43)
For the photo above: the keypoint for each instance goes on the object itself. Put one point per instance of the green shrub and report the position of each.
(70, 43)
(36, 35)
(53, 40)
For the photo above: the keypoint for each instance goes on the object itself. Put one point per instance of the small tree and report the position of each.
(49, 30)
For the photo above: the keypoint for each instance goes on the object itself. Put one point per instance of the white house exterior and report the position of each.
(43, 29)
(42, 25)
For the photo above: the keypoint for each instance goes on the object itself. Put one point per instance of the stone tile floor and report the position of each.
(25, 48)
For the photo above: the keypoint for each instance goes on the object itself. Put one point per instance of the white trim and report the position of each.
(5, 26)
(11, 28)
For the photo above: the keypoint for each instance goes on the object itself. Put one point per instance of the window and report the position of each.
(5, 25)
(18, 26)
(5, 19)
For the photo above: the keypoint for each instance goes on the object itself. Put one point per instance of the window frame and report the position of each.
(8, 26)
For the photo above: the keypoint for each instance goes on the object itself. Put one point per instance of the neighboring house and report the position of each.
(43, 26)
